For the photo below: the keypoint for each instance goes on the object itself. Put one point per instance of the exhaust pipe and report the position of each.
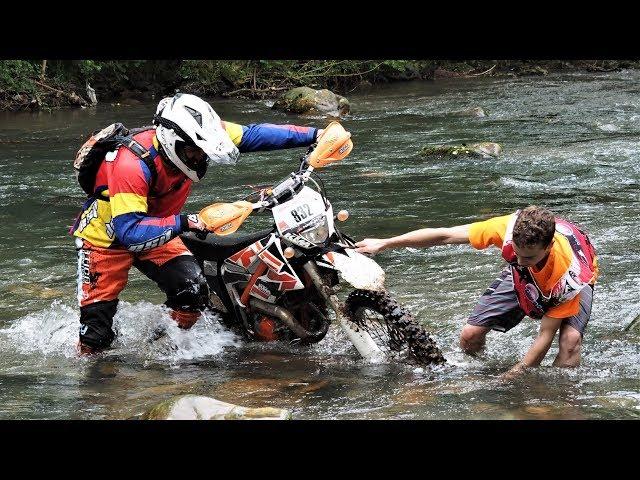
(286, 317)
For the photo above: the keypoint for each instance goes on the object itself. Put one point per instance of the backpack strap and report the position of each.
(135, 131)
(146, 156)
(149, 160)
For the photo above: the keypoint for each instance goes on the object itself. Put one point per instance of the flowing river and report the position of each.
(570, 144)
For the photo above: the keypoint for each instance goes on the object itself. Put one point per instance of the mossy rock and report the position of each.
(534, 70)
(303, 100)
(195, 407)
(474, 150)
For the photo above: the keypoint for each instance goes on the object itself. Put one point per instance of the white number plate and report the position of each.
(306, 205)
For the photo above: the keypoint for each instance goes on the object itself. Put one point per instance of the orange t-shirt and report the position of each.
(492, 232)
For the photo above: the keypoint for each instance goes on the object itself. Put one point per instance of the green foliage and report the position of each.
(213, 76)
(16, 75)
(269, 76)
(114, 79)
(253, 77)
(89, 68)
(112, 75)
(116, 72)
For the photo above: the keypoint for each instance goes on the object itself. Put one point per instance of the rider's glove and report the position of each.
(193, 223)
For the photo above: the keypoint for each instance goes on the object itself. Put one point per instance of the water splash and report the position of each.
(50, 332)
(54, 332)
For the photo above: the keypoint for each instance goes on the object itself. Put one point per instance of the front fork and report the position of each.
(360, 339)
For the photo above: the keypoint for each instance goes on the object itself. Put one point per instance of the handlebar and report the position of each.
(285, 189)
(291, 184)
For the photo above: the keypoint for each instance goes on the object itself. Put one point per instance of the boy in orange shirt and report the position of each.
(552, 268)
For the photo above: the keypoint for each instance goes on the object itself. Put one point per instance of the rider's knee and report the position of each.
(96, 321)
(187, 291)
(189, 294)
(471, 340)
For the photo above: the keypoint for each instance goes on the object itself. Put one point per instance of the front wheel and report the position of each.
(392, 327)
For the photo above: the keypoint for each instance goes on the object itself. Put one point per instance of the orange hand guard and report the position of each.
(334, 144)
(225, 218)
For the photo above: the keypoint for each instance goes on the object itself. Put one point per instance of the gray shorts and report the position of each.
(499, 310)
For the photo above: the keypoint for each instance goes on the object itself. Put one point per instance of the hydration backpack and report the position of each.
(93, 151)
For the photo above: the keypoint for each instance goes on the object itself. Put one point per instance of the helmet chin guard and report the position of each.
(186, 120)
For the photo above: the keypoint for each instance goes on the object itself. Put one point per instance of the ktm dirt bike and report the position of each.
(279, 283)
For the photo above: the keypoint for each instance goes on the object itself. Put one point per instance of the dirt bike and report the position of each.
(278, 284)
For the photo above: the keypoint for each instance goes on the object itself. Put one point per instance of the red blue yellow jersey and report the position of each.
(127, 213)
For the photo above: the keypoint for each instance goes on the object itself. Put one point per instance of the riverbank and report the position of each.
(31, 85)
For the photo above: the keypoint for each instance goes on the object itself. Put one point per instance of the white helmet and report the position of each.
(187, 120)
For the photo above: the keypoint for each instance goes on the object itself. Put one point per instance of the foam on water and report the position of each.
(608, 127)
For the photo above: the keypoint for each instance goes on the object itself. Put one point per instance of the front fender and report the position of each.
(357, 269)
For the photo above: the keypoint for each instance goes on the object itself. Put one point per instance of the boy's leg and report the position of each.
(572, 331)
(497, 309)
(472, 338)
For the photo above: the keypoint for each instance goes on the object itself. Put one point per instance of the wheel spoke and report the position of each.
(386, 337)
(392, 327)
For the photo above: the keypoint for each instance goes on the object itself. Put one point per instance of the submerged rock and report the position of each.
(482, 149)
(488, 148)
(34, 290)
(194, 407)
(309, 100)
(129, 101)
(471, 112)
(617, 401)
(258, 391)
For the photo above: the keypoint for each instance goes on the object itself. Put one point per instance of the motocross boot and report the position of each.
(265, 329)
(85, 350)
(185, 319)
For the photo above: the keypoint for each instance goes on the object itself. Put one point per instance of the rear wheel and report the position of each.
(392, 327)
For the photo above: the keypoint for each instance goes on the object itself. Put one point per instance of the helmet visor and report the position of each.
(193, 157)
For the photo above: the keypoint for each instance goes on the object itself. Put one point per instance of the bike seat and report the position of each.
(216, 247)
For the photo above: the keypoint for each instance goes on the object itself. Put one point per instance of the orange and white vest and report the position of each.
(580, 273)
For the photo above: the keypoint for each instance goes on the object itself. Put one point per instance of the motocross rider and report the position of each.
(129, 221)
